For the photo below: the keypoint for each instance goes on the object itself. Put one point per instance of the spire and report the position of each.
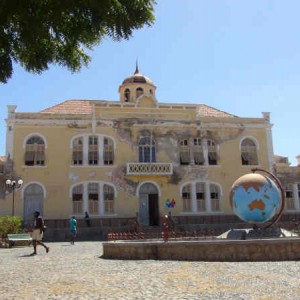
(136, 67)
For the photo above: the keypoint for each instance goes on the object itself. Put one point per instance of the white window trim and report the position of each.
(27, 137)
(101, 198)
(207, 184)
(253, 139)
(148, 181)
(33, 182)
(85, 139)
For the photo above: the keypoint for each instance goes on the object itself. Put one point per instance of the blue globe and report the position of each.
(255, 198)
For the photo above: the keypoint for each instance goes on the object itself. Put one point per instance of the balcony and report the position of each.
(149, 169)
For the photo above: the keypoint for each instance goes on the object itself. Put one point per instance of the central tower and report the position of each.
(136, 87)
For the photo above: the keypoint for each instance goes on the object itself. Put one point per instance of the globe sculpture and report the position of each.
(255, 198)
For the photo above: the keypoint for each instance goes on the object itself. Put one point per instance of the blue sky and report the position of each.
(242, 57)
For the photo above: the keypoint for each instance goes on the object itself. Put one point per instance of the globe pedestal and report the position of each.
(250, 233)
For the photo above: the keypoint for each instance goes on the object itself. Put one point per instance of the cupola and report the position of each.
(135, 86)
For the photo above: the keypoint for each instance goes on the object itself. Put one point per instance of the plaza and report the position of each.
(79, 272)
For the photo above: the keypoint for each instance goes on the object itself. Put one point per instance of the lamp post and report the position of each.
(12, 185)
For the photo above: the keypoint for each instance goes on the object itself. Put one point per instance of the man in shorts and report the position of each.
(37, 233)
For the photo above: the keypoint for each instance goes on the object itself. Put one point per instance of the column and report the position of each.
(101, 199)
(207, 197)
(205, 151)
(194, 200)
(100, 150)
(85, 197)
(85, 150)
(296, 196)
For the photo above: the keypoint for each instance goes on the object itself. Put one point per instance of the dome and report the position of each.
(137, 77)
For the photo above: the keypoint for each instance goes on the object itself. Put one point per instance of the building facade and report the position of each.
(133, 157)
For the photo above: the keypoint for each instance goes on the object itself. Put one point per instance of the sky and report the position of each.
(241, 57)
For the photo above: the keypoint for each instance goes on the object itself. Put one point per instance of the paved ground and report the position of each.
(78, 272)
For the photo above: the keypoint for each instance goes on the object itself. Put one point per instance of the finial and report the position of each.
(136, 67)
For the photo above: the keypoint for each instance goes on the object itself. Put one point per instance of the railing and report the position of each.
(149, 169)
(165, 232)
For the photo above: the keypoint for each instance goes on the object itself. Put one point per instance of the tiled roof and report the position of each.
(208, 111)
(2, 158)
(85, 107)
(70, 107)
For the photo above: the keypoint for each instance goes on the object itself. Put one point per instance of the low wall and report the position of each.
(206, 250)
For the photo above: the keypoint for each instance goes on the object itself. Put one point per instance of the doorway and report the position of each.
(148, 205)
(33, 201)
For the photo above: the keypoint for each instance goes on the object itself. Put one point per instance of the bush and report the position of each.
(10, 224)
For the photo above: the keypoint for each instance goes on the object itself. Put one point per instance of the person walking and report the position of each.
(73, 229)
(87, 219)
(37, 233)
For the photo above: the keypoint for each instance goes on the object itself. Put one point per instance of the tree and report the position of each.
(36, 33)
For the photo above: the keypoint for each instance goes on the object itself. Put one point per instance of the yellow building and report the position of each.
(289, 177)
(126, 158)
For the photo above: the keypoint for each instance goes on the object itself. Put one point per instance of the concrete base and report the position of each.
(250, 233)
(277, 249)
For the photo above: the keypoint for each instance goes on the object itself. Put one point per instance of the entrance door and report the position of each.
(148, 205)
(153, 210)
(33, 201)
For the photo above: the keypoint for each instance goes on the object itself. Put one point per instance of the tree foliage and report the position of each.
(9, 225)
(36, 33)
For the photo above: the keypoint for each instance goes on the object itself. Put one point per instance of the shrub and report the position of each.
(10, 224)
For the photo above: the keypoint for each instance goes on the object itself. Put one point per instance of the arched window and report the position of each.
(212, 153)
(248, 152)
(198, 152)
(35, 152)
(200, 196)
(214, 197)
(109, 197)
(186, 198)
(93, 155)
(108, 151)
(184, 152)
(78, 151)
(139, 92)
(127, 95)
(77, 199)
(93, 196)
(147, 150)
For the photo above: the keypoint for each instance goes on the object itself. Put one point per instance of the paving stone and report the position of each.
(78, 272)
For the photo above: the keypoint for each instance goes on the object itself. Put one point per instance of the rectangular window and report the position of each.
(35, 155)
(77, 199)
(78, 151)
(214, 197)
(289, 195)
(184, 152)
(249, 155)
(108, 193)
(93, 198)
(212, 155)
(93, 155)
(108, 152)
(200, 196)
(186, 198)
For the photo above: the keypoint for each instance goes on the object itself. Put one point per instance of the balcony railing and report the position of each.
(149, 168)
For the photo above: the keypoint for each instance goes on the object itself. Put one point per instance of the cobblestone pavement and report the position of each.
(78, 272)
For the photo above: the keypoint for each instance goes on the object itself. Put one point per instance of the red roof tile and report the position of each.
(70, 107)
(208, 111)
(85, 107)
